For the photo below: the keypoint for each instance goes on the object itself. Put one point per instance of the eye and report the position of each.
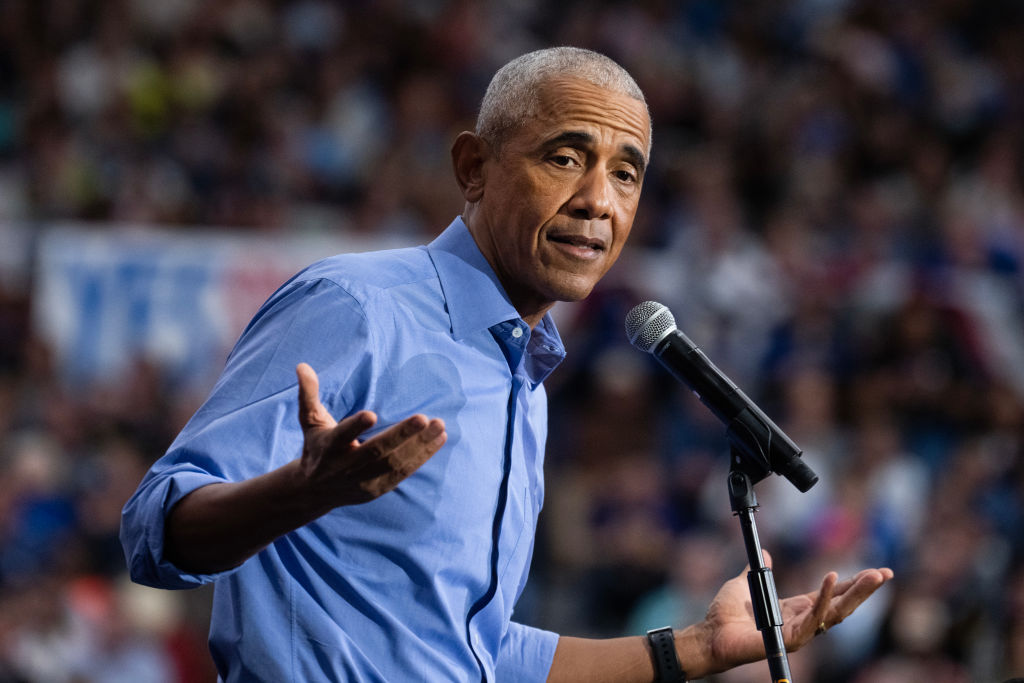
(562, 160)
(625, 176)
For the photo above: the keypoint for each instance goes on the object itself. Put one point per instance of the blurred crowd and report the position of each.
(834, 213)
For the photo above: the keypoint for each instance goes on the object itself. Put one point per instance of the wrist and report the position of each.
(694, 649)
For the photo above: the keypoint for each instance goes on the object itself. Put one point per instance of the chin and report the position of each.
(561, 284)
(571, 292)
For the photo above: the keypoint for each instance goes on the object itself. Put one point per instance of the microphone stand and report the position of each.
(757, 448)
(743, 474)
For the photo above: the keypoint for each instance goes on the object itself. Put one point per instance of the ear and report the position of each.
(469, 152)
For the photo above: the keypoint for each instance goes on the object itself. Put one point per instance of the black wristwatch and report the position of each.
(666, 661)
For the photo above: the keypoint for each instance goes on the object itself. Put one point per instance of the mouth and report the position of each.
(579, 246)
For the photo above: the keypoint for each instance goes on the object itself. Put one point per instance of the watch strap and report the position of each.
(666, 661)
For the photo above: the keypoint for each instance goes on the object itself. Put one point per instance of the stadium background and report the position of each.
(834, 212)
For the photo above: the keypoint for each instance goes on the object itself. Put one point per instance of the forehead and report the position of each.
(573, 103)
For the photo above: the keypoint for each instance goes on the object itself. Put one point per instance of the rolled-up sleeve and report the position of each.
(142, 529)
(249, 424)
(526, 654)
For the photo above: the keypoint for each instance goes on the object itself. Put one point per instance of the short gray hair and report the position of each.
(511, 97)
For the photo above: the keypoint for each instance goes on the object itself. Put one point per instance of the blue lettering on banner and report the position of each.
(107, 297)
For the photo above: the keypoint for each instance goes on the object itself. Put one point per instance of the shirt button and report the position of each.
(517, 332)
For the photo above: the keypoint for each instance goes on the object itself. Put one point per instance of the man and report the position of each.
(393, 545)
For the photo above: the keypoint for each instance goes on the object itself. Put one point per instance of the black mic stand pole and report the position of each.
(763, 596)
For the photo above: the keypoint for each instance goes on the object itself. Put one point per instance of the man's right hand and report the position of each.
(219, 526)
(340, 469)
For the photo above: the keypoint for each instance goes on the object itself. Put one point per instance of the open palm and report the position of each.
(733, 635)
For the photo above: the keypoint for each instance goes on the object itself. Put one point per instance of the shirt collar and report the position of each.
(476, 299)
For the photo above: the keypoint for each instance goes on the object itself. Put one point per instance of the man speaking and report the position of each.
(391, 545)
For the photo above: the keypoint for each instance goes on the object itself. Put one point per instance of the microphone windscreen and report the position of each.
(647, 324)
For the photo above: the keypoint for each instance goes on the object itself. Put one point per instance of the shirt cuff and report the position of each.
(142, 530)
(526, 654)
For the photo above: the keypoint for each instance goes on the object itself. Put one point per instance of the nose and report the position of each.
(592, 199)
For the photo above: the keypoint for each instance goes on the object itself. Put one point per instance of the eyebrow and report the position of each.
(578, 138)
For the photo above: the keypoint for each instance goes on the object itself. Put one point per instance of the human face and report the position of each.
(557, 201)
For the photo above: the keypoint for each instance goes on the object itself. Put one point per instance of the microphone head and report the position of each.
(647, 324)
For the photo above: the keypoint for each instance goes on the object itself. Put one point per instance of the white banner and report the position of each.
(104, 297)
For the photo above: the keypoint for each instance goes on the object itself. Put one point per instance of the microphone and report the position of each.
(651, 327)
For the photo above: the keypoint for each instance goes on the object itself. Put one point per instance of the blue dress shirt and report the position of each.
(419, 584)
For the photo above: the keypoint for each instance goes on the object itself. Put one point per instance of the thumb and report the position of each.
(312, 414)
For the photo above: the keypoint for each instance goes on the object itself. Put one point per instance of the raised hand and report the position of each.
(220, 525)
(340, 469)
(733, 638)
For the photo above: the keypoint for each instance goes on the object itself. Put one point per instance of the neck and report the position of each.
(532, 312)
(533, 319)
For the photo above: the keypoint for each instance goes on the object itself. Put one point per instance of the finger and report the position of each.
(407, 449)
(348, 430)
(430, 440)
(400, 433)
(415, 451)
(871, 574)
(860, 588)
(390, 457)
(312, 413)
(766, 557)
(434, 436)
(819, 613)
